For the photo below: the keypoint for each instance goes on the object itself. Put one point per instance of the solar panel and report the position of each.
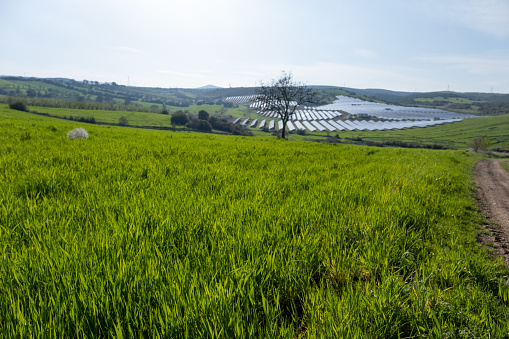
(271, 124)
(262, 124)
(299, 125)
(347, 126)
(338, 126)
(318, 126)
(253, 123)
(236, 120)
(309, 126)
(327, 125)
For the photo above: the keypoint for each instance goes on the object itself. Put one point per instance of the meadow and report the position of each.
(146, 233)
(457, 135)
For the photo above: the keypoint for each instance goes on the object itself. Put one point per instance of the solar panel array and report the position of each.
(241, 100)
(305, 114)
(383, 111)
(329, 117)
(344, 125)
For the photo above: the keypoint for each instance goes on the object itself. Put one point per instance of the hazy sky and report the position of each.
(411, 45)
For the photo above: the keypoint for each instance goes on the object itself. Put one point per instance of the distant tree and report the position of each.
(283, 96)
(179, 118)
(122, 121)
(31, 93)
(203, 115)
(480, 144)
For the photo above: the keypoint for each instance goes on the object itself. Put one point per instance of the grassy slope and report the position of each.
(147, 233)
(134, 118)
(458, 135)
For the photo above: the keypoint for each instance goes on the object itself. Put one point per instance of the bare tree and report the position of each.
(283, 96)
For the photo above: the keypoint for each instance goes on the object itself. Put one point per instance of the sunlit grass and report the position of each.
(135, 233)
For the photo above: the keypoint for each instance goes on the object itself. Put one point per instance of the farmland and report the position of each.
(137, 233)
(456, 135)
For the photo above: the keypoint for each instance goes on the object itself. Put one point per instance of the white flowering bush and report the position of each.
(78, 133)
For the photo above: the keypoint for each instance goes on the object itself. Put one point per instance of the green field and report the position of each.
(141, 233)
(456, 100)
(147, 119)
(457, 135)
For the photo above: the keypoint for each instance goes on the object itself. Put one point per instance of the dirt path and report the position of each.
(493, 192)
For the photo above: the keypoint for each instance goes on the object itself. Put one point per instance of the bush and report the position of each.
(480, 144)
(179, 118)
(77, 133)
(220, 124)
(122, 121)
(238, 130)
(18, 105)
(200, 125)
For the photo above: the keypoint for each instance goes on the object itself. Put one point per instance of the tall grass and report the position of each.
(152, 234)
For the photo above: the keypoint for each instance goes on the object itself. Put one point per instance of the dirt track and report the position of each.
(493, 192)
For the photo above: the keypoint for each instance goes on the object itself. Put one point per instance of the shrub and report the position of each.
(179, 118)
(480, 144)
(122, 121)
(77, 133)
(18, 105)
(220, 124)
(200, 125)
(237, 130)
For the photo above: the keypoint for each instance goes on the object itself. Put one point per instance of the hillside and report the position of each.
(471, 103)
(457, 135)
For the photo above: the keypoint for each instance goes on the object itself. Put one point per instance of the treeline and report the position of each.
(93, 91)
(71, 104)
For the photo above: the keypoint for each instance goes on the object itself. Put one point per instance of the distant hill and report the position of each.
(155, 98)
(471, 103)
(208, 87)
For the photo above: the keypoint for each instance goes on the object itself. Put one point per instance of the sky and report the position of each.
(402, 45)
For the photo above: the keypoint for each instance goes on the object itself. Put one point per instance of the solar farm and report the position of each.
(348, 114)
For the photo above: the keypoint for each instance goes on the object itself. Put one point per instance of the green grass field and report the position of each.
(112, 117)
(455, 100)
(145, 119)
(457, 135)
(141, 233)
